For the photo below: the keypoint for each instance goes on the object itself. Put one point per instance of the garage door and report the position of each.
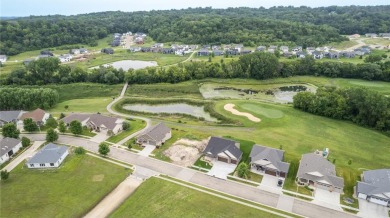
(377, 201)
(223, 159)
(270, 172)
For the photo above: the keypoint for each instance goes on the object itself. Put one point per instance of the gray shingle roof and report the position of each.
(7, 144)
(96, 119)
(79, 117)
(9, 116)
(275, 156)
(217, 145)
(50, 153)
(156, 132)
(375, 182)
(311, 163)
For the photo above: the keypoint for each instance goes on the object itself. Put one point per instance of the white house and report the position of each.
(50, 156)
(3, 58)
(9, 146)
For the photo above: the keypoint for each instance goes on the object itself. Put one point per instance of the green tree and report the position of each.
(62, 127)
(62, 115)
(374, 58)
(79, 150)
(104, 149)
(75, 127)
(51, 123)
(4, 175)
(25, 142)
(10, 130)
(242, 170)
(125, 125)
(29, 125)
(51, 135)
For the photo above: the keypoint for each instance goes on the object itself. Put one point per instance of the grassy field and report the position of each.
(188, 89)
(343, 45)
(70, 191)
(82, 105)
(159, 198)
(135, 125)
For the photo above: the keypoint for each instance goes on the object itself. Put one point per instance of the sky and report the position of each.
(72, 7)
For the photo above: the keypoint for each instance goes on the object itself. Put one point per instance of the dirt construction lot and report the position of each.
(185, 152)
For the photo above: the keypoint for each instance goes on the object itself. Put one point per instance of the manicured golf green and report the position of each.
(70, 191)
(160, 198)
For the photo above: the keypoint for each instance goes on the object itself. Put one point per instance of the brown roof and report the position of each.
(36, 115)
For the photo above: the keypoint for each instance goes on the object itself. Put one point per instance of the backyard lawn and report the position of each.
(160, 198)
(85, 105)
(135, 125)
(70, 191)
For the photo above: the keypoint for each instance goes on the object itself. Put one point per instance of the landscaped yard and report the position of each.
(82, 105)
(135, 125)
(159, 198)
(70, 191)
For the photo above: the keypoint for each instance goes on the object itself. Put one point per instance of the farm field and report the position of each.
(157, 197)
(70, 191)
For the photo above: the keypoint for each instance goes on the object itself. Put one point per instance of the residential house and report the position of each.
(243, 52)
(239, 47)
(38, 115)
(261, 48)
(145, 49)
(28, 61)
(272, 48)
(107, 50)
(10, 117)
(301, 54)
(3, 58)
(96, 122)
(156, 49)
(333, 55)
(50, 156)
(283, 48)
(83, 51)
(371, 35)
(139, 40)
(348, 54)
(384, 35)
(156, 135)
(232, 52)
(8, 147)
(46, 52)
(375, 187)
(218, 52)
(179, 52)
(43, 56)
(203, 52)
(268, 160)
(310, 50)
(223, 150)
(135, 49)
(363, 50)
(75, 51)
(65, 58)
(158, 45)
(318, 55)
(354, 36)
(288, 54)
(297, 49)
(168, 51)
(316, 171)
(116, 42)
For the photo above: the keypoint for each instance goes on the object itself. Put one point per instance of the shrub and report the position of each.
(25, 142)
(79, 151)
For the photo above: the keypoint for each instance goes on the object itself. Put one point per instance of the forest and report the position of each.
(251, 26)
(361, 106)
(14, 98)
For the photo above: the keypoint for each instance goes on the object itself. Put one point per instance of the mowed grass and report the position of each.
(86, 105)
(70, 191)
(135, 125)
(189, 89)
(160, 198)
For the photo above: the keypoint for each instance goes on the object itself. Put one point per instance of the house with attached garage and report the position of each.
(316, 171)
(301, 54)
(8, 147)
(156, 135)
(10, 117)
(269, 161)
(38, 115)
(375, 187)
(50, 156)
(371, 35)
(272, 48)
(218, 52)
(223, 150)
(75, 51)
(283, 48)
(107, 50)
(96, 122)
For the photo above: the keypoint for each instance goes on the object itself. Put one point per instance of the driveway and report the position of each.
(147, 150)
(270, 183)
(221, 169)
(327, 199)
(100, 137)
(369, 210)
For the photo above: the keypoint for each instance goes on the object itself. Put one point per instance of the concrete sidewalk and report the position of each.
(26, 154)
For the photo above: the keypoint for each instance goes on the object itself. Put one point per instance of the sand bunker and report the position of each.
(185, 152)
(230, 108)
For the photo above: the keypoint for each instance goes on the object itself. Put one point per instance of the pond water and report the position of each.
(287, 93)
(179, 108)
(127, 64)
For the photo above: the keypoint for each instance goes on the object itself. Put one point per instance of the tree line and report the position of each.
(359, 105)
(48, 70)
(259, 65)
(14, 98)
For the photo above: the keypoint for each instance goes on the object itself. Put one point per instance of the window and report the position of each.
(31, 165)
(52, 164)
(42, 165)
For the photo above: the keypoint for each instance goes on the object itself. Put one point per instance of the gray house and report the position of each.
(50, 156)
(261, 48)
(218, 52)
(375, 187)
(9, 116)
(268, 160)
(316, 171)
(203, 52)
(317, 55)
(223, 150)
(156, 135)
(8, 147)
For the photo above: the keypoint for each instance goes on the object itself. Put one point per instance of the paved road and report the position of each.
(237, 189)
(26, 154)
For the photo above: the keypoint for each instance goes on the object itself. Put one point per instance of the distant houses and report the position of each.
(50, 156)
(17, 117)
(107, 50)
(3, 58)
(8, 147)
(10, 117)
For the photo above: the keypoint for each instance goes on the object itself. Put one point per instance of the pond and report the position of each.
(127, 64)
(178, 108)
(287, 93)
